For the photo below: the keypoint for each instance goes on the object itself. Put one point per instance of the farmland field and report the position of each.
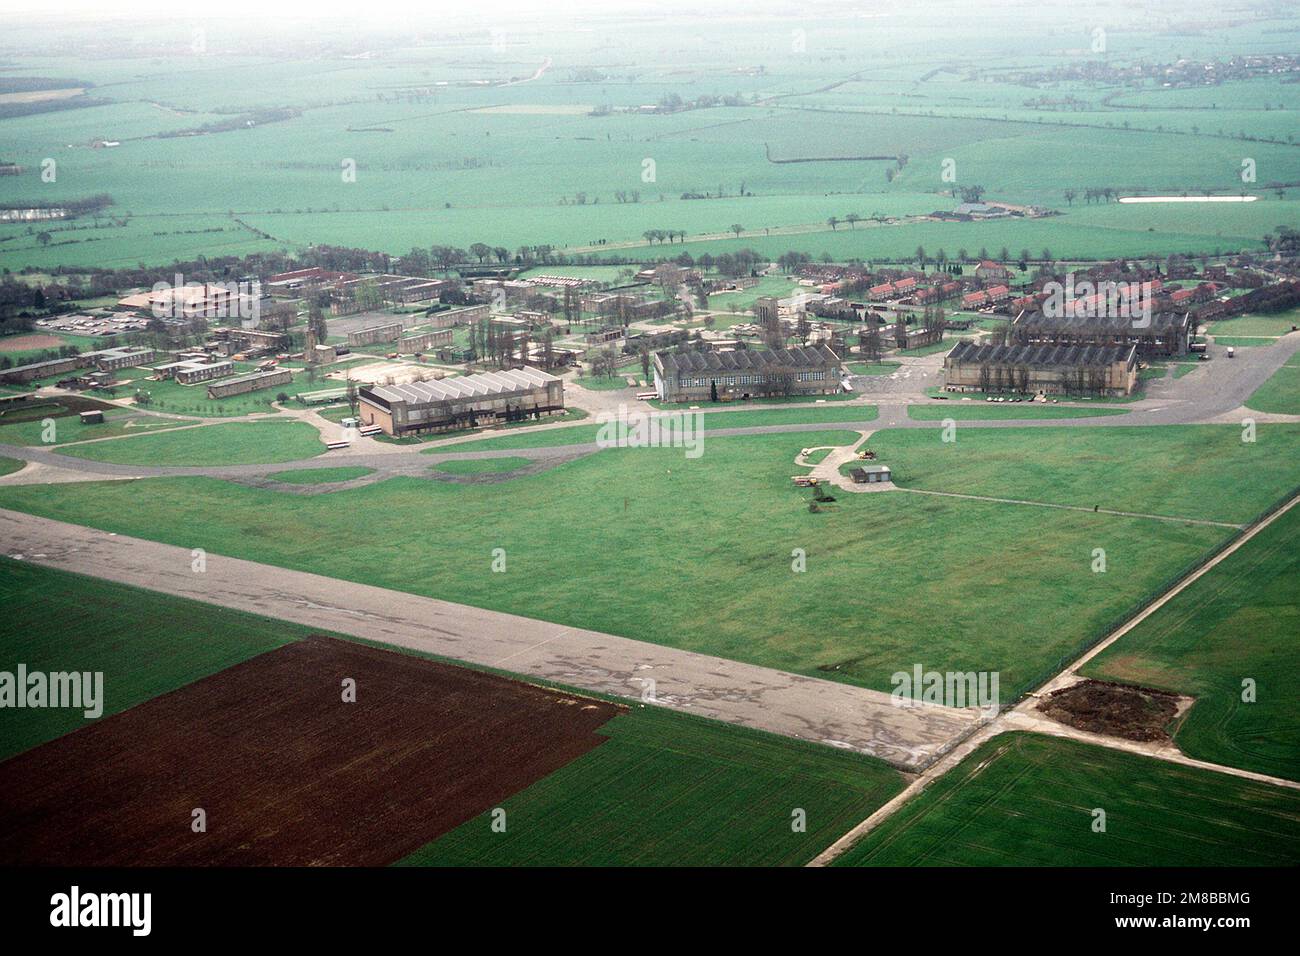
(667, 788)
(544, 140)
(297, 774)
(658, 788)
(740, 490)
(60, 621)
(1028, 800)
(1236, 624)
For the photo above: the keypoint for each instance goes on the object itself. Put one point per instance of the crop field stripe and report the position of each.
(289, 771)
(1237, 619)
(671, 788)
(1026, 791)
(60, 621)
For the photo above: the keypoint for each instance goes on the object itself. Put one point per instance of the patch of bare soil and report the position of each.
(1118, 710)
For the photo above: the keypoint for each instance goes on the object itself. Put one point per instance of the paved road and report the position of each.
(808, 708)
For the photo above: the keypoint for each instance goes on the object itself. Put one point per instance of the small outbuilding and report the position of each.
(870, 474)
(95, 417)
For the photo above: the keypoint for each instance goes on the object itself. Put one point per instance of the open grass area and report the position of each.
(1271, 325)
(576, 537)
(670, 789)
(1028, 800)
(604, 383)
(233, 443)
(1281, 393)
(69, 428)
(972, 411)
(56, 621)
(321, 476)
(9, 465)
(1193, 471)
(873, 368)
(1238, 623)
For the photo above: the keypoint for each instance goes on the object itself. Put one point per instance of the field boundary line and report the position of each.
(1083, 508)
(1000, 724)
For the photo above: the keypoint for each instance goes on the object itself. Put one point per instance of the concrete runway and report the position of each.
(910, 738)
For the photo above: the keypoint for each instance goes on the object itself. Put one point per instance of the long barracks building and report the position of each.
(746, 373)
(1168, 333)
(466, 401)
(1050, 369)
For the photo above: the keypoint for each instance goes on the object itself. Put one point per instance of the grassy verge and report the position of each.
(1281, 393)
(235, 443)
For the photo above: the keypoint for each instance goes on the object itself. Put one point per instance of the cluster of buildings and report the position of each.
(103, 361)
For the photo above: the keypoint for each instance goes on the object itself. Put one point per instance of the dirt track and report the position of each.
(287, 773)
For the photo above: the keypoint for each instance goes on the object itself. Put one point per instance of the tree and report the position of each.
(737, 228)
(480, 251)
(832, 222)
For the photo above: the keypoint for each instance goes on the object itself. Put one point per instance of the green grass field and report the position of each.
(1281, 393)
(58, 621)
(321, 476)
(604, 383)
(1027, 800)
(232, 443)
(971, 411)
(1165, 470)
(732, 517)
(1237, 623)
(9, 465)
(68, 428)
(873, 368)
(670, 789)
